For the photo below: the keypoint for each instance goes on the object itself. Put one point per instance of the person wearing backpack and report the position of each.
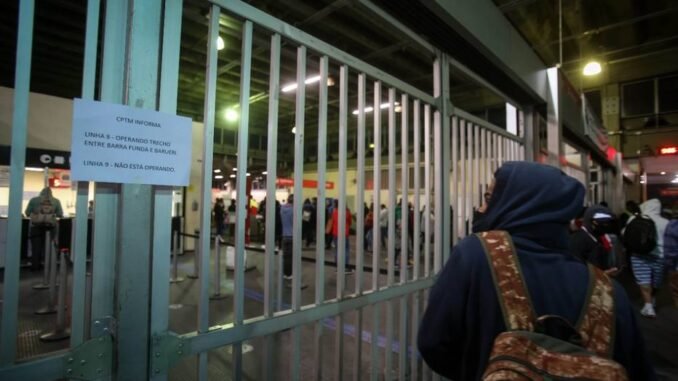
(522, 241)
(644, 242)
(43, 211)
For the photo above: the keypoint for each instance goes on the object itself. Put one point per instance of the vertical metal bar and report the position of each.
(22, 78)
(463, 184)
(414, 361)
(135, 223)
(360, 228)
(390, 278)
(427, 194)
(404, 231)
(271, 175)
(298, 178)
(444, 95)
(243, 203)
(106, 196)
(416, 228)
(376, 236)
(360, 215)
(206, 181)
(455, 180)
(495, 150)
(81, 212)
(342, 240)
(483, 164)
(320, 214)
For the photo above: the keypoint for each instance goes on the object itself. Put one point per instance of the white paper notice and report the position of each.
(120, 144)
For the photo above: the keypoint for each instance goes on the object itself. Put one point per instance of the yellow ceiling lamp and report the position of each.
(592, 68)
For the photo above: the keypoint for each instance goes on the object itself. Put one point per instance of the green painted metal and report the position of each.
(78, 324)
(166, 351)
(206, 181)
(135, 222)
(162, 196)
(376, 237)
(243, 203)
(227, 334)
(91, 360)
(8, 327)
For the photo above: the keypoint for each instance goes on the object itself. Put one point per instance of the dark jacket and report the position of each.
(585, 243)
(464, 317)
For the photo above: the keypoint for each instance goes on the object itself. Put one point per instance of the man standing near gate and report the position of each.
(43, 211)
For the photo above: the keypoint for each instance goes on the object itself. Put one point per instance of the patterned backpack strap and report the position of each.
(597, 322)
(512, 292)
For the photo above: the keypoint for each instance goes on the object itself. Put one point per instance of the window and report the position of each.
(594, 101)
(217, 135)
(668, 94)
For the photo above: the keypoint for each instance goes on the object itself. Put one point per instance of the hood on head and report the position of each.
(651, 207)
(530, 193)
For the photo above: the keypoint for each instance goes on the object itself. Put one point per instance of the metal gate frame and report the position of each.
(134, 333)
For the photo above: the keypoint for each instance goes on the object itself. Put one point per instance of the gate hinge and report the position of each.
(90, 360)
(166, 350)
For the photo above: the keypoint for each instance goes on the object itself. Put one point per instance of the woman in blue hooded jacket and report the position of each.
(534, 203)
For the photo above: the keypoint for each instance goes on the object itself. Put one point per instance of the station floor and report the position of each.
(661, 333)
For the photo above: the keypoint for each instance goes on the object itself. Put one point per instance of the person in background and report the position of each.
(287, 219)
(306, 225)
(231, 218)
(335, 234)
(671, 257)
(43, 211)
(383, 224)
(632, 209)
(328, 218)
(590, 243)
(464, 317)
(369, 225)
(649, 269)
(219, 215)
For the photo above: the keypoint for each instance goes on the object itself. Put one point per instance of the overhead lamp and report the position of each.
(218, 177)
(220, 43)
(231, 115)
(381, 106)
(34, 169)
(662, 173)
(674, 181)
(371, 145)
(247, 174)
(642, 181)
(592, 68)
(217, 171)
(294, 130)
(232, 175)
(309, 80)
(264, 173)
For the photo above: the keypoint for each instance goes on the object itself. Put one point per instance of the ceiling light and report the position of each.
(232, 175)
(231, 115)
(294, 130)
(662, 173)
(217, 171)
(248, 174)
(592, 68)
(218, 177)
(34, 169)
(220, 43)
(264, 173)
(235, 169)
(642, 181)
(371, 145)
(381, 106)
(309, 80)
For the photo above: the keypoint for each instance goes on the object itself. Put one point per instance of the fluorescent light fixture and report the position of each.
(220, 43)
(642, 181)
(662, 173)
(294, 130)
(218, 177)
(235, 169)
(382, 106)
(248, 174)
(34, 169)
(674, 181)
(293, 86)
(231, 115)
(217, 171)
(371, 145)
(264, 173)
(232, 175)
(592, 68)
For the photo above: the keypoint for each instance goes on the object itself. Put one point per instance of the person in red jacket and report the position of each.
(335, 234)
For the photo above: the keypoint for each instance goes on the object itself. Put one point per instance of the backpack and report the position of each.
(640, 236)
(45, 215)
(548, 347)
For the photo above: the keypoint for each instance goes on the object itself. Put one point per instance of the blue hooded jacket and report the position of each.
(534, 203)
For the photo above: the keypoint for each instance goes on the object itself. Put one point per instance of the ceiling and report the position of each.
(621, 31)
